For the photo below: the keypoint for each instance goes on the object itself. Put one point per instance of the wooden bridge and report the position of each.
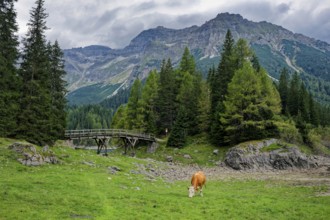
(102, 137)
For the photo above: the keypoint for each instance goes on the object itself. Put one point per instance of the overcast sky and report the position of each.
(114, 23)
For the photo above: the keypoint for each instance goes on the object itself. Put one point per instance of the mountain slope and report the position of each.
(275, 47)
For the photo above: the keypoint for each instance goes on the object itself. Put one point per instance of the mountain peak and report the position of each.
(228, 16)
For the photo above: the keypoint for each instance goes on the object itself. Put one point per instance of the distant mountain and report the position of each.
(98, 72)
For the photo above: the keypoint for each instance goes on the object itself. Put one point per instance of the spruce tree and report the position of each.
(303, 104)
(9, 82)
(283, 88)
(219, 85)
(58, 91)
(133, 106)
(166, 104)
(189, 90)
(204, 108)
(188, 99)
(314, 113)
(34, 122)
(187, 63)
(223, 74)
(293, 96)
(148, 103)
(255, 62)
(178, 134)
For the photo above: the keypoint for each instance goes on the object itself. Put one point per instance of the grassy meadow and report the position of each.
(82, 187)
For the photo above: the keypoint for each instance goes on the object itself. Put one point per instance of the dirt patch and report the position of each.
(173, 172)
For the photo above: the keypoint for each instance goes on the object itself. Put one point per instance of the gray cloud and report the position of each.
(115, 23)
(283, 8)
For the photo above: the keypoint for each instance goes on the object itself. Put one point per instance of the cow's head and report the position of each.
(191, 191)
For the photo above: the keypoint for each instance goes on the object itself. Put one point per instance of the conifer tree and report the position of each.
(250, 106)
(119, 119)
(178, 135)
(148, 103)
(166, 104)
(188, 100)
(241, 54)
(189, 90)
(223, 74)
(9, 82)
(58, 90)
(314, 113)
(303, 104)
(34, 122)
(211, 77)
(134, 120)
(255, 62)
(219, 85)
(293, 97)
(204, 108)
(283, 88)
(187, 63)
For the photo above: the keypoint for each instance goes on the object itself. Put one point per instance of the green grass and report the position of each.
(75, 190)
(200, 151)
(271, 147)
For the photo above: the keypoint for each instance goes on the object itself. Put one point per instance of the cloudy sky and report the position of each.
(114, 23)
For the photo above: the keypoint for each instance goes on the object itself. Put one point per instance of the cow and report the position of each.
(198, 180)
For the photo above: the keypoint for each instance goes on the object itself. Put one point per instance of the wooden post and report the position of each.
(102, 143)
(129, 142)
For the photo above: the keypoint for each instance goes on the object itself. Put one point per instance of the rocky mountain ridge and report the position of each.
(99, 71)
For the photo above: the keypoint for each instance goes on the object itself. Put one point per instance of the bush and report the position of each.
(319, 140)
(288, 131)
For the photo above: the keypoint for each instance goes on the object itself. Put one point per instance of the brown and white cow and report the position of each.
(198, 180)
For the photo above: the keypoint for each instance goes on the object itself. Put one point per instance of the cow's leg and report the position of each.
(201, 192)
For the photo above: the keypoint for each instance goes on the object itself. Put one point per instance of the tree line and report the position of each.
(32, 90)
(89, 117)
(237, 102)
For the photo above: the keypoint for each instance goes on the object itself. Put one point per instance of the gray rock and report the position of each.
(31, 157)
(251, 157)
(45, 148)
(169, 158)
(187, 156)
(114, 169)
(135, 172)
(216, 152)
(92, 164)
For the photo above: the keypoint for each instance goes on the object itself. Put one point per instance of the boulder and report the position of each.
(169, 158)
(251, 156)
(187, 156)
(29, 155)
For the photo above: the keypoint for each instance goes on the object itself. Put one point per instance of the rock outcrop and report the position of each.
(254, 156)
(29, 156)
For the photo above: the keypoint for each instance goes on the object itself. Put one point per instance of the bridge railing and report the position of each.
(92, 133)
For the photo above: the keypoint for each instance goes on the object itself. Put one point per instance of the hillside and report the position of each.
(97, 72)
